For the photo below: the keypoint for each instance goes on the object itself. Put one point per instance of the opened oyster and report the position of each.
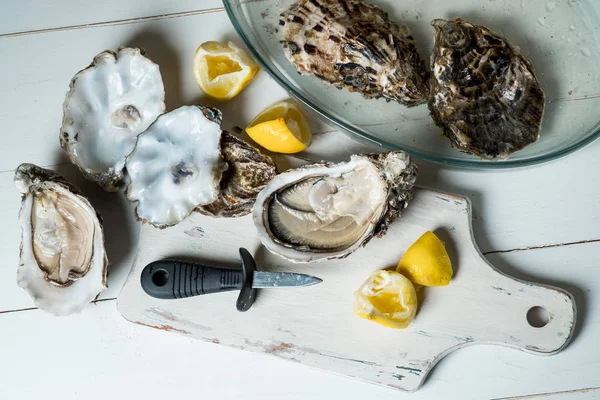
(62, 263)
(176, 165)
(325, 211)
(354, 45)
(247, 174)
(484, 92)
(109, 103)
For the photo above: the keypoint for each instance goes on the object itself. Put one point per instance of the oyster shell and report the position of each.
(323, 211)
(485, 95)
(62, 261)
(176, 165)
(108, 104)
(247, 174)
(354, 45)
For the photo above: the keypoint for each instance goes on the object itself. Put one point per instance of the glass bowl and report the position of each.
(560, 37)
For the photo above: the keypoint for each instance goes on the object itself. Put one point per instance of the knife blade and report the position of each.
(263, 279)
(174, 279)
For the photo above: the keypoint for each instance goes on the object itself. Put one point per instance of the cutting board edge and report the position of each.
(425, 371)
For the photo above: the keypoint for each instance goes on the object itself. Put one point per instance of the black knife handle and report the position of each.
(169, 279)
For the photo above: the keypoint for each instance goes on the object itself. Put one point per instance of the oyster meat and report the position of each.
(354, 45)
(485, 95)
(62, 262)
(325, 211)
(247, 174)
(108, 104)
(176, 165)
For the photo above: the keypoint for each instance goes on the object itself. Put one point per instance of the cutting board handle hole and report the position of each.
(160, 277)
(538, 317)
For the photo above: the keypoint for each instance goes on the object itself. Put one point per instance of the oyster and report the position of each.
(108, 104)
(176, 165)
(247, 174)
(62, 262)
(325, 210)
(354, 45)
(485, 95)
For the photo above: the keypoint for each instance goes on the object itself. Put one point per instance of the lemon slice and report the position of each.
(281, 128)
(387, 298)
(426, 262)
(223, 70)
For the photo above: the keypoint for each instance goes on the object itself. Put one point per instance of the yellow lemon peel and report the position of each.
(281, 128)
(223, 70)
(426, 262)
(387, 298)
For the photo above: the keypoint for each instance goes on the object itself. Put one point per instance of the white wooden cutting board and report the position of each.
(315, 325)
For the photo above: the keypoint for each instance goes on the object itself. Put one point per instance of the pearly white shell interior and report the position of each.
(176, 166)
(109, 104)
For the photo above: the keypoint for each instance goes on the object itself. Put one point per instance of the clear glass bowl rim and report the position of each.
(472, 164)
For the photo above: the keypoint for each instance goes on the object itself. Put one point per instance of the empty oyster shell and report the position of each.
(484, 92)
(354, 45)
(108, 104)
(247, 174)
(62, 261)
(176, 165)
(323, 211)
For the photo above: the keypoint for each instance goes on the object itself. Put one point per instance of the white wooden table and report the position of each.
(540, 223)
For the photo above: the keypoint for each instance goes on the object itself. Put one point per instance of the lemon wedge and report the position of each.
(281, 128)
(426, 262)
(387, 298)
(223, 70)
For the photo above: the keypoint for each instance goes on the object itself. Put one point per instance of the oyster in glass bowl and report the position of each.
(558, 39)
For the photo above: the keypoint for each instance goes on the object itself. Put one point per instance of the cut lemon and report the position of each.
(387, 298)
(281, 128)
(223, 70)
(426, 262)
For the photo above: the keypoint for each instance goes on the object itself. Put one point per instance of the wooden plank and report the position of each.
(449, 318)
(576, 394)
(30, 16)
(121, 358)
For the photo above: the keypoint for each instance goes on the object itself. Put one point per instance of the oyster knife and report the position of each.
(171, 279)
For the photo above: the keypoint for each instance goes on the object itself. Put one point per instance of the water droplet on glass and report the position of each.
(550, 6)
(586, 52)
(572, 27)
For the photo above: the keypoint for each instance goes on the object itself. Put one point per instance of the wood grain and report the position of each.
(32, 16)
(103, 355)
(315, 326)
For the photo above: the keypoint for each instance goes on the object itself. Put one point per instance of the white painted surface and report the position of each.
(102, 355)
(315, 325)
(550, 204)
(25, 16)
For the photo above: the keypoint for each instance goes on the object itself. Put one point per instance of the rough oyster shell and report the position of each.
(484, 92)
(176, 165)
(247, 174)
(354, 45)
(324, 211)
(62, 260)
(108, 104)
